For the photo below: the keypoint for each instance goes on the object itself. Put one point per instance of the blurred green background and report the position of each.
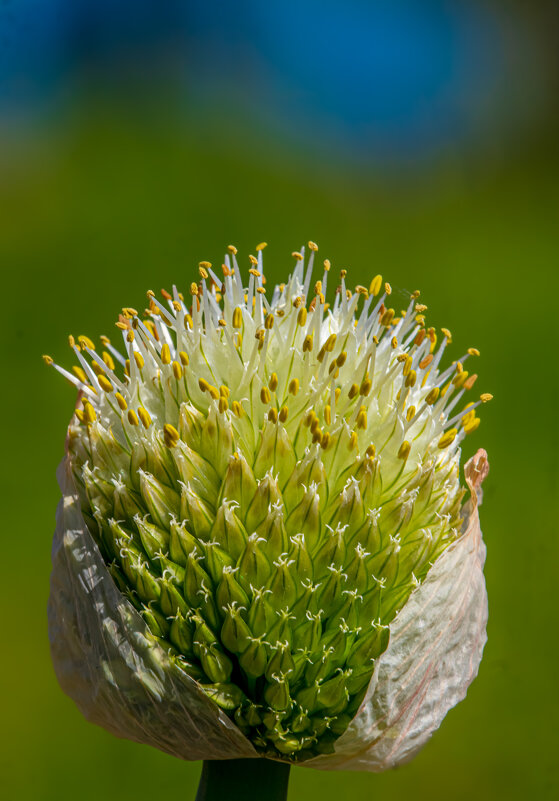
(135, 144)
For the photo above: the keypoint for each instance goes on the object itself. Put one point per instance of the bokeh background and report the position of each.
(416, 139)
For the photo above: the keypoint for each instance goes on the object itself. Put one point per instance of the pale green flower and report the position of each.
(262, 547)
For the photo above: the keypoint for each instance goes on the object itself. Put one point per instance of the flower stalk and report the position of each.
(243, 780)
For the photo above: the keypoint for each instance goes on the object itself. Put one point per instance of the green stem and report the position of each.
(243, 780)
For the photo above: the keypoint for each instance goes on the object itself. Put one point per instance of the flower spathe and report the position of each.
(263, 517)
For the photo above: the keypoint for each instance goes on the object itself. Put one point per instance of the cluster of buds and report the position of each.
(268, 481)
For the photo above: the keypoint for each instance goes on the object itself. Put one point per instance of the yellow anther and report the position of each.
(223, 404)
(352, 441)
(333, 366)
(415, 295)
(387, 317)
(473, 351)
(194, 289)
(89, 414)
(294, 386)
(327, 415)
(410, 413)
(237, 317)
(330, 343)
(309, 418)
(273, 382)
(48, 359)
(375, 285)
(261, 246)
(269, 321)
(353, 391)
(265, 395)
(446, 333)
(144, 416)
(170, 435)
(460, 379)
(262, 291)
(188, 322)
(426, 361)
(362, 290)
(80, 373)
(283, 413)
(130, 336)
(408, 361)
(411, 378)
(296, 255)
(337, 393)
(177, 306)
(127, 367)
(203, 384)
(325, 441)
(313, 246)
(370, 452)
(254, 261)
(71, 341)
(105, 340)
(97, 369)
(121, 401)
(184, 358)
(139, 359)
(108, 359)
(486, 397)
(327, 265)
(404, 451)
(203, 268)
(86, 342)
(273, 415)
(459, 367)
(302, 316)
(394, 342)
(433, 343)
(340, 361)
(472, 425)
(232, 249)
(122, 326)
(165, 354)
(471, 381)
(224, 391)
(420, 307)
(362, 418)
(447, 438)
(433, 396)
(237, 409)
(365, 387)
(388, 288)
(343, 273)
(420, 337)
(80, 415)
(177, 370)
(308, 343)
(222, 322)
(445, 389)
(315, 425)
(376, 340)
(105, 384)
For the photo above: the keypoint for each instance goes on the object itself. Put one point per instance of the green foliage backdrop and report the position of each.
(107, 208)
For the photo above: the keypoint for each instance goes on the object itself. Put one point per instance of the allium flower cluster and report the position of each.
(263, 547)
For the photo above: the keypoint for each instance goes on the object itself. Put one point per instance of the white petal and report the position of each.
(104, 661)
(436, 644)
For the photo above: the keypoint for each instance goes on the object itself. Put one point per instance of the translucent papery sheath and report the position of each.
(262, 548)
